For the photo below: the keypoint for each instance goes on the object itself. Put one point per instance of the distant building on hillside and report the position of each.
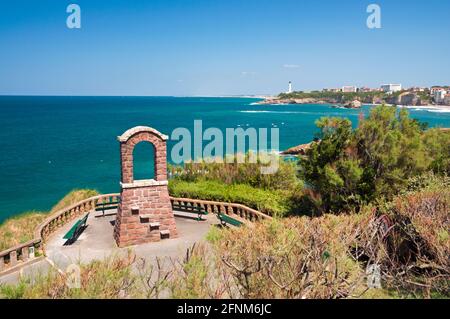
(349, 89)
(439, 96)
(434, 89)
(331, 90)
(447, 99)
(364, 89)
(391, 88)
(416, 89)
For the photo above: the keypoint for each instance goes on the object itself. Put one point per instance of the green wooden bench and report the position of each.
(104, 206)
(76, 229)
(190, 209)
(225, 220)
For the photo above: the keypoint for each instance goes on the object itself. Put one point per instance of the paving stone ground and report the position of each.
(97, 242)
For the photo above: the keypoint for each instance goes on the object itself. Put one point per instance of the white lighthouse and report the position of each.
(290, 88)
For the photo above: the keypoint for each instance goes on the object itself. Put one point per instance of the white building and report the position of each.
(289, 88)
(332, 90)
(349, 89)
(433, 90)
(390, 88)
(447, 99)
(439, 96)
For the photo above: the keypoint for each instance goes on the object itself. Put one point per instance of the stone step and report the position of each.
(144, 219)
(135, 210)
(154, 226)
(165, 234)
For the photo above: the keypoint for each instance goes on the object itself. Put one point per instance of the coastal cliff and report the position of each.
(348, 100)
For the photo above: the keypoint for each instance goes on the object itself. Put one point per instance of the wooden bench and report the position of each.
(76, 230)
(227, 220)
(190, 209)
(104, 206)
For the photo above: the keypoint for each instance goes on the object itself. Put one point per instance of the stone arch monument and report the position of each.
(145, 213)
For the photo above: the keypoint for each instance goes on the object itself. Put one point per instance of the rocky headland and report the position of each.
(351, 101)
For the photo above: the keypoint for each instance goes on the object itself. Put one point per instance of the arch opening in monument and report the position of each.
(144, 161)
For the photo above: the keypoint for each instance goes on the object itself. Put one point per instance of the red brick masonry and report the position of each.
(145, 212)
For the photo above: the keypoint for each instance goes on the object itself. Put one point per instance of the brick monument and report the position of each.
(145, 212)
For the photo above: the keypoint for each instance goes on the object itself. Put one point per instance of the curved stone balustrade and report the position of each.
(244, 212)
(24, 252)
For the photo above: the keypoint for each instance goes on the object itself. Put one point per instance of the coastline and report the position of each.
(274, 101)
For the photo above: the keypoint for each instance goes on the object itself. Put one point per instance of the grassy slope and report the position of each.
(20, 228)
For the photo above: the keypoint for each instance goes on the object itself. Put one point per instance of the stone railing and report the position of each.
(30, 250)
(244, 212)
(27, 251)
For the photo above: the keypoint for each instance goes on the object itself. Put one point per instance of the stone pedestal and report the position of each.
(145, 212)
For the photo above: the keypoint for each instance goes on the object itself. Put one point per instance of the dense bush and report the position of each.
(414, 244)
(419, 248)
(291, 258)
(244, 183)
(437, 145)
(285, 178)
(349, 168)
(266, 201)
(301, 257)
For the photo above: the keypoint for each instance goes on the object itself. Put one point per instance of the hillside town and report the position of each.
(437, 95)
(354, 96)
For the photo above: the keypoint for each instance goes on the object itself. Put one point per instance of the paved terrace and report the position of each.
(97, 242)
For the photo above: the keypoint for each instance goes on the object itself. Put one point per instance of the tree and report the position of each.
(350, 167)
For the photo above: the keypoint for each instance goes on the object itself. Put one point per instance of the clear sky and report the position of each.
(219, 47)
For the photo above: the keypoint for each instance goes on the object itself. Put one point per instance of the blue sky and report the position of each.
(212, 47)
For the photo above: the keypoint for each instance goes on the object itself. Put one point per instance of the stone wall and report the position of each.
(144, 215)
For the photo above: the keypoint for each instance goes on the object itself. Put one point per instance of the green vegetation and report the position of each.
(337, 97)
(375, 195)
(364, 97)
(20, 229)
(349, 168)
(266, 201)
(274, 194)
(239, 173)
(345, 171)
(297, 257)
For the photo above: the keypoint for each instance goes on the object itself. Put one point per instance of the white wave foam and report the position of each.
(427, 108)
(440, 111)
(276, 112)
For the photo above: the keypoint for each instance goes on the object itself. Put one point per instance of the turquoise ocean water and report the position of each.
(51, 145)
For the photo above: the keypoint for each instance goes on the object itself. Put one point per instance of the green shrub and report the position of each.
(266, 201)
(285, 178)
(350, 168)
